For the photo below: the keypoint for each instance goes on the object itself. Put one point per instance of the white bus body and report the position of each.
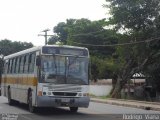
(47, 76)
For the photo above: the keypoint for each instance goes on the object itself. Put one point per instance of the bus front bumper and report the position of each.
(49, 101)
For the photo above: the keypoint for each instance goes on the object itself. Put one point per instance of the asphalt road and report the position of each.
(96, 111)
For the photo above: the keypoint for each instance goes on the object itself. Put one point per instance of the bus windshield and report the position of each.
(65, 69)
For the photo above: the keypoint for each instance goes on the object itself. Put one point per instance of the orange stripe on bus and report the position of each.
(21, 80)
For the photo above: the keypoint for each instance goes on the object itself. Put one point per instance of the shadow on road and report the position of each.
(60, 113)
(45, 111)
(55, 111)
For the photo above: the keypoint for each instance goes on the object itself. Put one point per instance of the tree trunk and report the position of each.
(114, 81)
(120, 82)
(116, 90)
(126, 74)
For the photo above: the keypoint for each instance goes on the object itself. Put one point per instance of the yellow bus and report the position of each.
(47, 76)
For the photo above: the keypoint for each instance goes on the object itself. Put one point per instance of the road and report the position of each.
(96, 111)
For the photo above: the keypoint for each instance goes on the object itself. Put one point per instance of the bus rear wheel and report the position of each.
(74, 109)
(10, 101)
(30, 105)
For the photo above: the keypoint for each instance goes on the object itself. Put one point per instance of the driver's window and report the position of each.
(74, 66)
(45, 66)
(60, 62)
(48, 64)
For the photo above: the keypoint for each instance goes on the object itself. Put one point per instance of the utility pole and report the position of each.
(45, 35)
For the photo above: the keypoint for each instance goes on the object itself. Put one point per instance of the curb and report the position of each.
(146, 102)
(146, 106)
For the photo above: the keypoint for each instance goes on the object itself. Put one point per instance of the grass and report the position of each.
(100, 97)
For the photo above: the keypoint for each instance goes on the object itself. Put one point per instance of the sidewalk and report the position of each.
(130, 103)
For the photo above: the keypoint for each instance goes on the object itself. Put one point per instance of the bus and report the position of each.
(47, 76)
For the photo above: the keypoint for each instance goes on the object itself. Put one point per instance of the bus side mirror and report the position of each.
(38, 61)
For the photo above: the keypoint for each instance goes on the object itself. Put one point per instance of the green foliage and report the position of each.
(80, 32)
(8, 47)
(139, 20)
(92, 32)
(137, 15)
(52, 40)
(103, 68)
(83, 31)
(94, 68)
(62, 30)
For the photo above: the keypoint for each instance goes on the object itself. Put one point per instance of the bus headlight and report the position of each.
(49, 93)
(85, 94)
(80, 94)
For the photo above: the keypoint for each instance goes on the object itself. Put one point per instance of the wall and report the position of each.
(100, 90)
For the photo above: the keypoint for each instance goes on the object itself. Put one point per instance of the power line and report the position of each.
(120, 44)
(89, 33)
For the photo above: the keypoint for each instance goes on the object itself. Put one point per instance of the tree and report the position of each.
(153, 67)
(83, 31)
(53, 40)
(139, 21)
(80, 32)
(137, 15)
(8, 47)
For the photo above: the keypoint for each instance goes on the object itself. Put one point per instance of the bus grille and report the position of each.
(69, 88)
(64, 94)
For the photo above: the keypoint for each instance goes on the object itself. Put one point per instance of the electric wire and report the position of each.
(120, 44)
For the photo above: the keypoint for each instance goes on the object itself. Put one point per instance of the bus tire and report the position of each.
(74, 109)
(10, 101)
(30, 106)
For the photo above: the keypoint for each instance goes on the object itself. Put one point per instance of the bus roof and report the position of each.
(33, 49)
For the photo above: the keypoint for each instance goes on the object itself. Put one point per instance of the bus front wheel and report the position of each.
(74, 109)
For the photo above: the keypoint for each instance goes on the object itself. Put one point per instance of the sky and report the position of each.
(23, 20)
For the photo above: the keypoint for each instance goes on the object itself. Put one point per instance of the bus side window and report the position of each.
(17, 65)
(21, 64)
(31, 63)
(13, 65)
(5, 68)
(26, 63)
(8, 65)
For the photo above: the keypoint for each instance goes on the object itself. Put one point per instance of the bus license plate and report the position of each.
(66, 100)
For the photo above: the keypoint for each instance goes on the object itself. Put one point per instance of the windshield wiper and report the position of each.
(54, 58)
